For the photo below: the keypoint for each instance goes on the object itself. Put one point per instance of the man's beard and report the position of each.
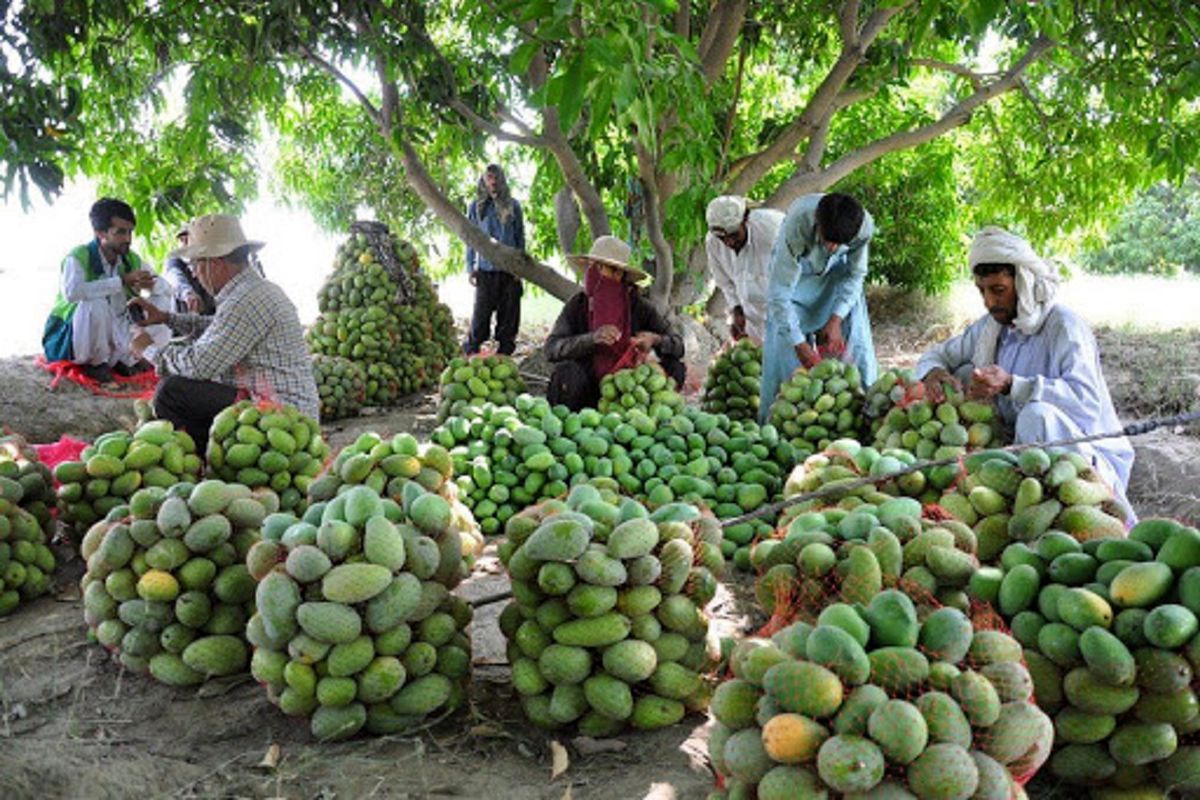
(1004, 316)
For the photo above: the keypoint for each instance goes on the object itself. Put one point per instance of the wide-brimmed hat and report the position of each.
(612, 252)
(214, 236)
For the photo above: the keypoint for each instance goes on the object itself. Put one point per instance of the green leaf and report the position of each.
(522, 57)
(574, 84)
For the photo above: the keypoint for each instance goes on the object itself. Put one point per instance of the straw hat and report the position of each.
(214, 236)
(612, 252)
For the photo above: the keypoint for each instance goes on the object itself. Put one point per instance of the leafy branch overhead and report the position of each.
(1041, 115)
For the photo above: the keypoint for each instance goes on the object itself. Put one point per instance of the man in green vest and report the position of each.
(89, 323)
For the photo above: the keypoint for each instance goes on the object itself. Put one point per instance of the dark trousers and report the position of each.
(573, 384)
(498, 293)
(191, 405)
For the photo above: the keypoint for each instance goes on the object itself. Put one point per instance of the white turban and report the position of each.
(1036, 284)
(725, 213)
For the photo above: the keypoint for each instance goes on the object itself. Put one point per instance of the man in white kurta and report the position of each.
(739, 245)
(1035, 357)
(90, 324)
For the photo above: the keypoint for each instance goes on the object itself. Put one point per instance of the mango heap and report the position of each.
(26, 563)
(264, 445)
(341, 384)
(1007, 497)
(19, 462)
(388, 466)
(845, 461)
(509, 458)
(607, 628)
(166, 588)
(816, 406)
(902, 418)
(878, 699)
(732, 385)
(356, 627)
(856, 550)
(481, 379)
(117, 464)
(1109, 627)
(400, 340)
(644, 387)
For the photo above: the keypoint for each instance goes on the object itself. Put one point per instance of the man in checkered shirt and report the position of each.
(253, 345)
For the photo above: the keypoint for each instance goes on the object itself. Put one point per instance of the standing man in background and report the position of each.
(816, 305)
(498, 214)
(89, 324)
(739, 245)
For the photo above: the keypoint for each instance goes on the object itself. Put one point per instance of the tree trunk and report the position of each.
(567, 223)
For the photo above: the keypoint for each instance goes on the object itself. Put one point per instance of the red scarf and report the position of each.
(610, 302)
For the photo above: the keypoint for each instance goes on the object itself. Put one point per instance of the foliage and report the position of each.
(1157, 234)
(1053, 113)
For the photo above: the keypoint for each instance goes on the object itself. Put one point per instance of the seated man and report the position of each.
(89, 324)
(1035, 357)
(599, 325)
(739, 243)
(190, 296)
(253, 345)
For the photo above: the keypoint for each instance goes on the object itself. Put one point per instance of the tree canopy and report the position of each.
(1039, 115)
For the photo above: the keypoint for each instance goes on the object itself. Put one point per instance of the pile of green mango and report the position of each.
(1110, 629)
(733, 382)
(815, 407)
(260, 444)
(401, 346)
(119, 463)
(356, 628)
(476, 380)
(877, 698)
(19, 462)
(341, 385)
(645, 388)
(26, 562)
(607, 627)
(166, 587)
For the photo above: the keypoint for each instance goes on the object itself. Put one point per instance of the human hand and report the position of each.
(737, 324)
(194, 303)
(988, 382)
(140, 342)
(138, 280)
(834, 343)
(808, 355)
(934, 384)
(606, 335)
(473, 278)
(646, 340)
(151, 314)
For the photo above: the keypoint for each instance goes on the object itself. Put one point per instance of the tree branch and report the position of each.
(664, 263)
(848, 23)
(960, 114)
(976, 78)
(720, 34)
(491, 128)
(340, 77)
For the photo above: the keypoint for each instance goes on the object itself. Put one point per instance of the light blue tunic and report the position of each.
(1058, 389)
(808, 285)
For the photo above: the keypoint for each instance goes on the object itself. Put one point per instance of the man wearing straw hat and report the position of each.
(605, 327)
(253, 345)
(739, 242)
(1033, 356)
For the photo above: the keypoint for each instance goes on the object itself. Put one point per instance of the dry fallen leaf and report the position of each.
(271, 758)
(559, 760)
(567, 794)
(490, 730)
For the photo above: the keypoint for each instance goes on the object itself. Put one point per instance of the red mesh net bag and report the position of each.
(875, 669)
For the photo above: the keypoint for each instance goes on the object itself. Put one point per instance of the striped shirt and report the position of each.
(254, 341)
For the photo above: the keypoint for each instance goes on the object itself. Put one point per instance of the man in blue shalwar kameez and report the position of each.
(815, 292)
(1035, 357)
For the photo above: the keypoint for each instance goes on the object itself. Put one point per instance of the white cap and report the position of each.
(725, 213)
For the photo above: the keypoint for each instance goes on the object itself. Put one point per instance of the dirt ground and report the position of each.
(73, 724)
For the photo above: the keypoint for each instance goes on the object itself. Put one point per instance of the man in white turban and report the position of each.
(1036, 358)
(739, 242)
